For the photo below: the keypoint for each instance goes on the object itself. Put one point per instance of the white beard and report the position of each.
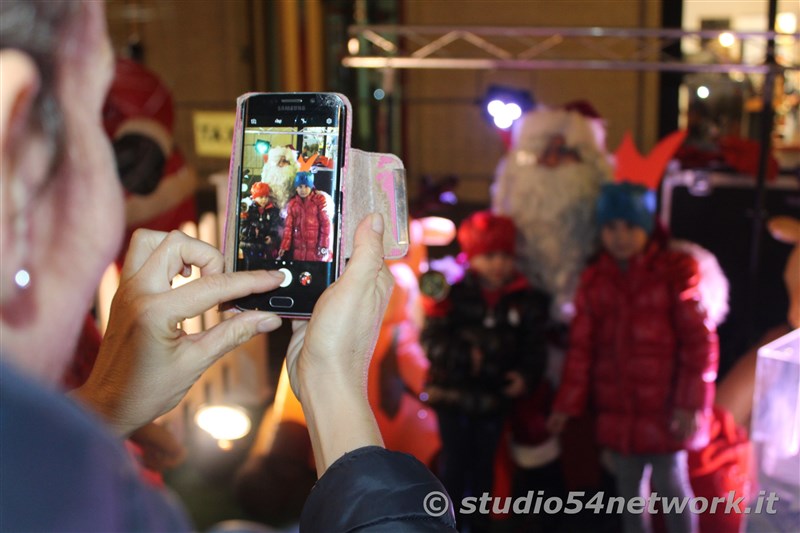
(554, 211)
(280, 181)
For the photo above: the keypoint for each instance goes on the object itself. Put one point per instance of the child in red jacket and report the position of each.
(308, 228)
(642, 353)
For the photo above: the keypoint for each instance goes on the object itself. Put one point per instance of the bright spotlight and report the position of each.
(495, 107)
(786, 23)
(514, 111)
(262, 146)
(503, 121)
(703, 92)
(726, 39)
(504, 105)
(223, 422)
(353, 46)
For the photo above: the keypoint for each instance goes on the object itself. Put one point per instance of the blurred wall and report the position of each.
(211, 51)
(445, 132)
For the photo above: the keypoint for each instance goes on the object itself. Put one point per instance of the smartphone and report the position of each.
(291, 155)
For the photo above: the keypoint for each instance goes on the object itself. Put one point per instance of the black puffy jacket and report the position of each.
(510, 334)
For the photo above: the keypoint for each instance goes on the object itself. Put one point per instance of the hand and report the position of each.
(685, 423)
(146, 362)
(160, 449)
(328, 357)
(280, 254)
(557, 422)
(516, 384)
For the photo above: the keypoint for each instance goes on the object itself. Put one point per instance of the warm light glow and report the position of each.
(223, 422)
(353, 46)
(786, 23)
(703, 92)
(726, 39)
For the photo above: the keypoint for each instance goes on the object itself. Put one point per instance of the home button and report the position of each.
(281, 302)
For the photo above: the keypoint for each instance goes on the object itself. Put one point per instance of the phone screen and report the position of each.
(290, 196)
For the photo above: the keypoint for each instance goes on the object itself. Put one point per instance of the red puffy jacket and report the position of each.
(640, 347)
(307, 227)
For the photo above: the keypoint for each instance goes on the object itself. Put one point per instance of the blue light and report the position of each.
(262, 146)
(379, 94)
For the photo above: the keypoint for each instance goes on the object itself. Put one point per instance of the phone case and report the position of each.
(371, 183)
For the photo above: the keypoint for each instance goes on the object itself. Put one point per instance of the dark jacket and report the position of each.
(258, 224)
(88, 482)
(376, 490)
(640, 347)
(510, 334)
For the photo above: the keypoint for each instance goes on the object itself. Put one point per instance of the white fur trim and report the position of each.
(713, 284)
(534, 456)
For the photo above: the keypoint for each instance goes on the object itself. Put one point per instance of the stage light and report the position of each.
(504, 105)
(703, 92)
(262, 146)
(503, 121)
(495, 107)
(726, 39)
(223, 422)
(786, 23)
(379, 94)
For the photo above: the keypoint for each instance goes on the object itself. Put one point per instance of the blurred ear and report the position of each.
(19, 84)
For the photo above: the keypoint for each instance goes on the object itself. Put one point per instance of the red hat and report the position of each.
(484, 232)
(258, 189)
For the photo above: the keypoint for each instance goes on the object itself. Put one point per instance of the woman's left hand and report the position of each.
(146, 363)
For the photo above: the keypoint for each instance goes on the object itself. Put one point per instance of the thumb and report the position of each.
(367, 258)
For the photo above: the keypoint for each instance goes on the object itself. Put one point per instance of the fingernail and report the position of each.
(277, 274)
(269, 324)
(377, 222)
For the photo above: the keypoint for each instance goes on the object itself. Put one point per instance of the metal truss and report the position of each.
(526, 48)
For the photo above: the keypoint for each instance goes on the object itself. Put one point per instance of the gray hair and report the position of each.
(38, 28)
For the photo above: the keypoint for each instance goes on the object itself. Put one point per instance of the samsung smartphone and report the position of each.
(290, 195)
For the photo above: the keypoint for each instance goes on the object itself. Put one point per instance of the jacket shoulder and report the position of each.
(679, 266)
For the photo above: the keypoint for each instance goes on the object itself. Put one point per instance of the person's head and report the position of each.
(304, 183)
(259, 192)
(310, 147)
(489, 242)
(62, 207)
(626, 216)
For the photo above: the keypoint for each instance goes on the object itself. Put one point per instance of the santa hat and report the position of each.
(484, 233)
(635, 204)
(304, 178)
(259, 189)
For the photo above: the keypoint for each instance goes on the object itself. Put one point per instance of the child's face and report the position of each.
(495, 268)
(622, 240)
(303, 190)
(262, 201)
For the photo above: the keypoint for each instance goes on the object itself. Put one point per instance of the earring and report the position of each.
(22, 278)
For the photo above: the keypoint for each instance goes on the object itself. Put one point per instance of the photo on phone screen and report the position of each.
(289, 196)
